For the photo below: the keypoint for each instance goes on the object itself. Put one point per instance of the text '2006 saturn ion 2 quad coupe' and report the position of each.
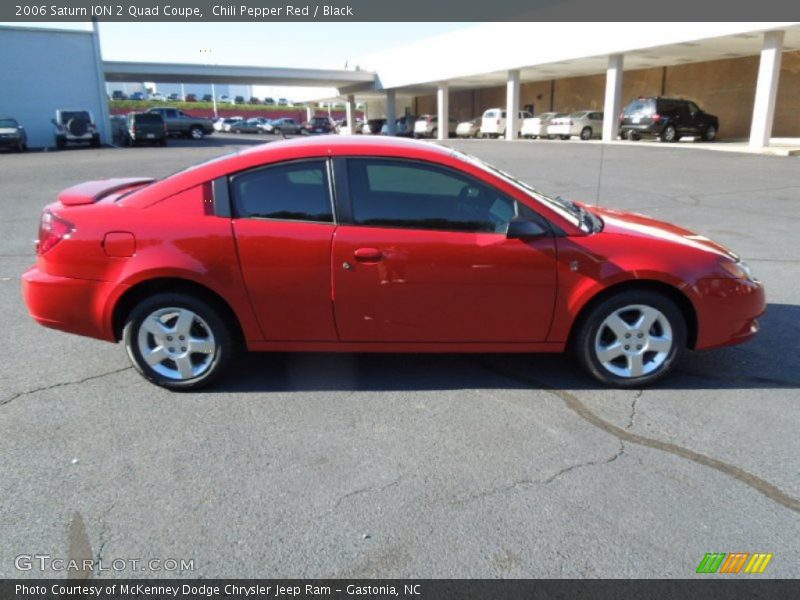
(376, 245)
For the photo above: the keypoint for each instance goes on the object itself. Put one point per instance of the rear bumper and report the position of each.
(72, 305)
(728, 311)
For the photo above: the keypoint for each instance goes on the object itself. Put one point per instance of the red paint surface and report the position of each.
(403, 289)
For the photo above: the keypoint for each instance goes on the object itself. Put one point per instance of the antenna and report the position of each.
(600, 172)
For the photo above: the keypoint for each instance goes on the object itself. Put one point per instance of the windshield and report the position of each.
(4, 123)
(572, 212)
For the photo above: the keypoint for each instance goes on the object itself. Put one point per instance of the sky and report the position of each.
(310, 45)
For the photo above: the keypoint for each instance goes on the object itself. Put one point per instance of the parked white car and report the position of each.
(536, 126)
(428, 126)
(158, 97)
(493, 122)
(584, 123)
(468, 129)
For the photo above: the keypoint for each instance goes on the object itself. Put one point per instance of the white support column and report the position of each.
(309, 113)
(443, 111)
(350, 115)
(103, 121)
(391, 113)
(769, 71)
(613, 102)
(512, 104)
(214, 100)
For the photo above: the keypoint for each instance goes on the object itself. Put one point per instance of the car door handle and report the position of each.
(368, 255)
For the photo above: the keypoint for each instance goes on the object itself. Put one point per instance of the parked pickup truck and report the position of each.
(180, 123)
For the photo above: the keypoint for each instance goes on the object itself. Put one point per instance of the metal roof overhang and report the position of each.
(228, 74)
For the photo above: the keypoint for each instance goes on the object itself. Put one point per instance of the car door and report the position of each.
(696, 117)
(421, 255)
(283, 225)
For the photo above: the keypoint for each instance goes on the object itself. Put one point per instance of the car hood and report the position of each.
(647, 228)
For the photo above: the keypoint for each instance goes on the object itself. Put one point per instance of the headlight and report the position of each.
(738, 269)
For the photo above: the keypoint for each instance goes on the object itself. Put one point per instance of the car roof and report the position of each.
(292, 149)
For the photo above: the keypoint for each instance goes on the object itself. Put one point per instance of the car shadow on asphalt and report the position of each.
(768, 361)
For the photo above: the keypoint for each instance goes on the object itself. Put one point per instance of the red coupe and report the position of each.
(376, 245)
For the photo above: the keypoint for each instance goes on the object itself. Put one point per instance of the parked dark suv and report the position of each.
(666, 118)
(145, 128)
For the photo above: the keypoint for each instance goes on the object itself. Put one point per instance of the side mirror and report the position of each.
(521, 229)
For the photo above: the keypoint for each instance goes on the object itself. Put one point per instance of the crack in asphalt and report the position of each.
(623, 435)
(519, 483)
(44, 388)
(102, 540)
(632, 417)
(358, 492)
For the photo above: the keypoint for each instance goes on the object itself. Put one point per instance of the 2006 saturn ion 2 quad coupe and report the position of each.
(376, 245)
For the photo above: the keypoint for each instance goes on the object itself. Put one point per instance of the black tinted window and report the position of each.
(407, 194)
(149, 118)
(294, 191)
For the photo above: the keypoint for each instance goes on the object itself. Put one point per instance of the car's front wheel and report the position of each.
(710, 134)
(178, 341)
(631, 339)
(196, 133)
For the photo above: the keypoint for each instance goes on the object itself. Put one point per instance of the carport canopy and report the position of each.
(228, 74)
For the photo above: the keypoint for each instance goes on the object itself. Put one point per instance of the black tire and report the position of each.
(669, 134)
(61, 143)
(277, 131)
(224, 343)
(564, 137)
(196, 132)
(163, 142)
(710, 133)
(586, 133)
(434, 133)
(95, 143)
(585, 338)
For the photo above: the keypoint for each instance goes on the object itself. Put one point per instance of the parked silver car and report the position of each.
(536, 126)
(12, 135)
(468, 129)
(584, 123)
(428, 126)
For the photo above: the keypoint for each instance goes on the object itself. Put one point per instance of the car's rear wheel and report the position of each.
(196, 133)
(178, 341)
(710, 134)
(631, 339)
(586, 133)
(670, 134)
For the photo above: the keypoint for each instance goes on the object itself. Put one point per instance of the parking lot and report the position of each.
(381, 466)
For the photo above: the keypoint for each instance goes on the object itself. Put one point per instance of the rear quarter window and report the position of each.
(294, 191)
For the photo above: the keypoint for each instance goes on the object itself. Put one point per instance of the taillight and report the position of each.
(52, 229)
(656, 118)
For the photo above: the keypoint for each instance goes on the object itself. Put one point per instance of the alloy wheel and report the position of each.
(176, 343)
(633, 341)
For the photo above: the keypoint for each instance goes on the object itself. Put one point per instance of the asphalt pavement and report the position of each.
(323, 465)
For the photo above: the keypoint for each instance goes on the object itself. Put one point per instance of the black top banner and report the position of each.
(266, 11)
(735, 588)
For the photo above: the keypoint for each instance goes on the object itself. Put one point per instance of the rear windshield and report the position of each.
(491, 113)
(8, 123)
(640, 107)
(578, 115)
(153, 118)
